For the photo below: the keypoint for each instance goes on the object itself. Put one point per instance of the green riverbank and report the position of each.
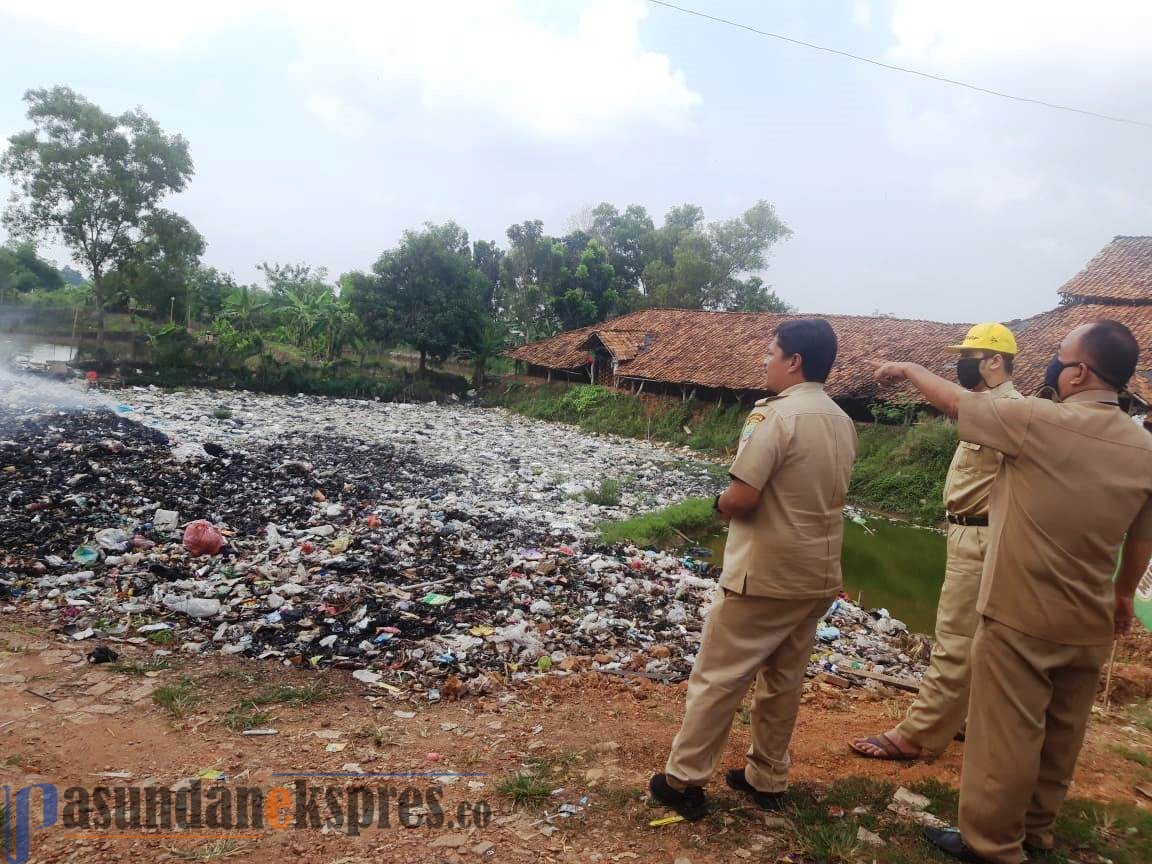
(899, 469)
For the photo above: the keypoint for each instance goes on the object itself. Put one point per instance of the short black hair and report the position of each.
(1112, 351)
(1009, 361)
(814, 340)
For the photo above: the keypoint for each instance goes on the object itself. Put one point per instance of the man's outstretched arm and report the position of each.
(940, 392)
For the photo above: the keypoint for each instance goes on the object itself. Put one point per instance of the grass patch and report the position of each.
(139, 670)
(525, 787)
(244, 677)
(177, 699)
(1142, 715)
(700, 425)
(225, 848)
(222, 413)
(1085, 830)
(161, 637)
(536, 780)
(607, 494)
(1142, 759)
(693, 517)
(309, 694)
(243, 717)
(901, 469)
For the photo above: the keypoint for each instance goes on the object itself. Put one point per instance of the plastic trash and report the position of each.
(102, 654)
(202, 538)
(85, 555)
(113, 539)
(193, 607)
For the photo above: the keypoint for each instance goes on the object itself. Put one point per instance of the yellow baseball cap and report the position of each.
(990, 336)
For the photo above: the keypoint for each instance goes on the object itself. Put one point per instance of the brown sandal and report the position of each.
(892, 753)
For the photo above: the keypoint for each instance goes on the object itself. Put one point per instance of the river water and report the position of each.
(897, 567)
(35, 347)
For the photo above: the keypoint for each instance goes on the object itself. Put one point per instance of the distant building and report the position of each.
(719, 355)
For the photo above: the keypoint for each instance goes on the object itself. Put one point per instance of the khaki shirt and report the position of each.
(1077, 477)
(973, 468)
(798, 449)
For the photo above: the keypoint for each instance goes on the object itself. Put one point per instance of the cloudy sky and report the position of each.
(320, 131)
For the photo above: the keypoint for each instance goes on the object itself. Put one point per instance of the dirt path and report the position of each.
(66, 722)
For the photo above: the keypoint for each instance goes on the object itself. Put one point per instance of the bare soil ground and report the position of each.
(67, 722)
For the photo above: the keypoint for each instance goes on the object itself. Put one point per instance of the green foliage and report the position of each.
(244, 716)
(607, 494)
(177, 699)
(91, 180)
(170, 344)
(693, 517)
(710, 428)
(902, 470)
(309, 694)
(430, 288)
(159, 273)
(23, 271)
(696, 266)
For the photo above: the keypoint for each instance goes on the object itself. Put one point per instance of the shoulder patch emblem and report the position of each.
(750, 426)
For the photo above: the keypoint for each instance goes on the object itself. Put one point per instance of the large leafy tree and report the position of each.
(435, 290)
(161, 272)
(693, 265)
(91, 180)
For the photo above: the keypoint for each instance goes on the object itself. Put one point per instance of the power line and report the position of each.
(904, 69)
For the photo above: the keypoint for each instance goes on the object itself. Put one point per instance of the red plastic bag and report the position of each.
(202, 538)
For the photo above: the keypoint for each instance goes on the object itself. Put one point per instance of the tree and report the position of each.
(376, 310)
(697, 266)
(435, 290)
(22, 271)
(91, 180)
(741, 246)
(209, 291)
(161, 270)
(624, 236)
(586, 293)
(246, 309)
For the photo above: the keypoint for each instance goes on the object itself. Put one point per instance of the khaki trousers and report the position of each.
(1029, 709)
(942, 703)
(746, 638)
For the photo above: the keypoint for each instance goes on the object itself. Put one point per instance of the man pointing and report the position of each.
(1077, 480)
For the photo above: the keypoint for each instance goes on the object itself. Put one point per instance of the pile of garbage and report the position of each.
(309, 538)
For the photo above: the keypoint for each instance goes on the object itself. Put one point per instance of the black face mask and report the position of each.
(1052, 377)
(968, 372)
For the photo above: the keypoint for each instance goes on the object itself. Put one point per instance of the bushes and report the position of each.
(654, 530)
(902, 469)
(600, 409)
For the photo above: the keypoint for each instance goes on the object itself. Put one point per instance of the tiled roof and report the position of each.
(1121, 271)
(726, 349)
(621, 344)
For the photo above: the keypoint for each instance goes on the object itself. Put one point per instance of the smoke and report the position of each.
(25, 395)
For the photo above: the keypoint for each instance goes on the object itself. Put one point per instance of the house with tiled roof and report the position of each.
(719, 355)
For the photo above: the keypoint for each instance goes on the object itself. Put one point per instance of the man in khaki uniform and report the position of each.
(781, 571)
(1075, 491)
(985, 366)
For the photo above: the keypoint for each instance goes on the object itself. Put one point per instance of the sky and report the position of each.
(321, 131)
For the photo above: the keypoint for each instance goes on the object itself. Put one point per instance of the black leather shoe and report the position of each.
(690, 803)
(948, 841)
(767, 800)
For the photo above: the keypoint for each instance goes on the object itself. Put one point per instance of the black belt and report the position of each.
(981, 521)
